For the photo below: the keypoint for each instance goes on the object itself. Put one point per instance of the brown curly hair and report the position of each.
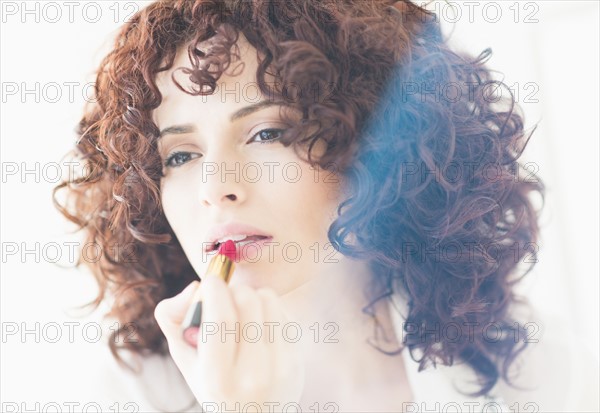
(378, 61)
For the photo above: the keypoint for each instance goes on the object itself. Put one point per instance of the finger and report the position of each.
(218, 314)
(169, 314)
(288, 356)
(252, 351)
(276, 315)
(273, 318)
(283, 353)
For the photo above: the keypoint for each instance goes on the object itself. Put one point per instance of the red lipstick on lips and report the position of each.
(221, 265)
(227, 231)
(227, 249)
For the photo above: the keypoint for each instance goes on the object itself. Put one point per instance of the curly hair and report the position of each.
(408, 122)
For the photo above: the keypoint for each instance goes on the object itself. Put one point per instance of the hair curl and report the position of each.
(379, 125)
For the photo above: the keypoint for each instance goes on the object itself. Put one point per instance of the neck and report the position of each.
(335, 332)
(336, 295)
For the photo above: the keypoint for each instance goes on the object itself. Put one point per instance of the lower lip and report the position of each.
(253, 251)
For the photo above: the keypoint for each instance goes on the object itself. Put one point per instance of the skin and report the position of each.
(194, 201)
(328, 288)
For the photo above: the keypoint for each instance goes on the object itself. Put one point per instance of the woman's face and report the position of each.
(218, 172)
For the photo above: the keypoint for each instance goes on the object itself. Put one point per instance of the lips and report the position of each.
(248, 239)
(238, 232)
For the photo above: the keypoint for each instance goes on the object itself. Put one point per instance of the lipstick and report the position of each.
(222, 266)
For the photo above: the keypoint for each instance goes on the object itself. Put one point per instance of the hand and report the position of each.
(234, 368)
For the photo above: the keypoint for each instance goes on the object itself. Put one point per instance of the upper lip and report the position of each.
(233, 228)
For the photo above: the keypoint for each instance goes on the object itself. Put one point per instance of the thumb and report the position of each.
(169, 313)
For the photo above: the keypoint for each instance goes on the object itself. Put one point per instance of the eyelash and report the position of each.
(170, 158)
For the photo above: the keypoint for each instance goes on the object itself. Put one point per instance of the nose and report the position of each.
(222, 184)
(231, 197)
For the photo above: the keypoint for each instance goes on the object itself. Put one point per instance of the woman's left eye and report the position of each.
(267, 135)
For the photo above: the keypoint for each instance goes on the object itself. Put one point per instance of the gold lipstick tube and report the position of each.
(221, 266)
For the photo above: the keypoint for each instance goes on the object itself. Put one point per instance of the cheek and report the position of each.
(172, 203)
(315, 198)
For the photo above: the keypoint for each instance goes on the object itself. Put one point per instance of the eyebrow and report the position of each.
(245, 111)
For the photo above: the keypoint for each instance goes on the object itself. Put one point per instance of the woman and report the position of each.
(375, 160)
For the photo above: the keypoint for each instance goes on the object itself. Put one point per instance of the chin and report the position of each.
(251, 278)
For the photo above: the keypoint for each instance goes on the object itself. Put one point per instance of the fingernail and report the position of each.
(190, 335)
(191, 323)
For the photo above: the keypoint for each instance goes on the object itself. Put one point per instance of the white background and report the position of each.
(550, 44)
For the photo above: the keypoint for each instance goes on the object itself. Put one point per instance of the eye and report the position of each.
(178, 158)
(266, 135)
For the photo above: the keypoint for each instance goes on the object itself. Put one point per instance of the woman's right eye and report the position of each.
(179, 158)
